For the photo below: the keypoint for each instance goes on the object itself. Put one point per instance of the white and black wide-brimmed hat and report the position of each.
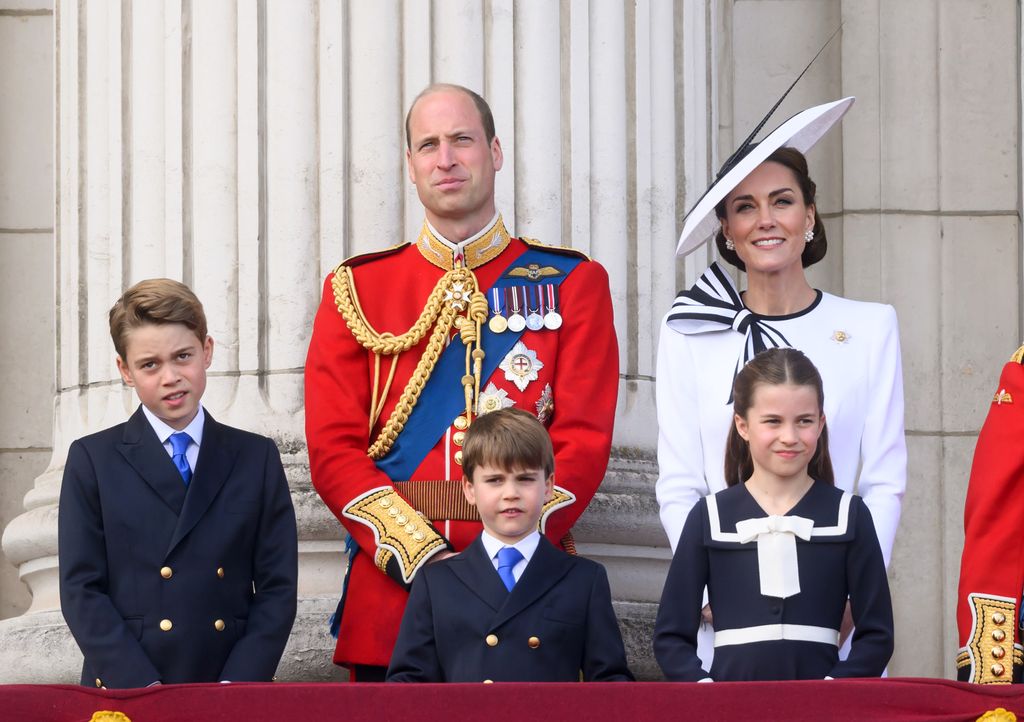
(801, 132)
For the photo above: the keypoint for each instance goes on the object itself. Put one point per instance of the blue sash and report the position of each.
(442, 399)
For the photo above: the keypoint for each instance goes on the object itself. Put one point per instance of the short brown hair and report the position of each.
(155, 301)
(814, 250)
(510, 439)
(486, 116)
(774, 367)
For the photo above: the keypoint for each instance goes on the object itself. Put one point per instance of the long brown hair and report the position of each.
(774, 367)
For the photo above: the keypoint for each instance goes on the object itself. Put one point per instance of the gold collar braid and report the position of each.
(455, 301)
(476, 253)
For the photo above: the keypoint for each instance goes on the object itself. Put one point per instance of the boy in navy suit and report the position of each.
(511, 607)
(177, 541)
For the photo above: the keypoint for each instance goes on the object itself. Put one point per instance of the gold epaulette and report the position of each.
(534, 243)
(1018, 356)
(398, 528)
(559, 498)
(361, 258)
(990, 650)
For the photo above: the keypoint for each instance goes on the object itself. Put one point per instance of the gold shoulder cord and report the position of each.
(456, 300)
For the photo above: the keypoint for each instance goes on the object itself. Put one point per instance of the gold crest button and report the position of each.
(219, 625)
(492, 640)
(166, 572)
(165, 625)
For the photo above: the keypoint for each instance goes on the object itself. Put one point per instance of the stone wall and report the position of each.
(247, 147)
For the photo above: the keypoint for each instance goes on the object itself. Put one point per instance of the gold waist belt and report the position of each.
(438, 500)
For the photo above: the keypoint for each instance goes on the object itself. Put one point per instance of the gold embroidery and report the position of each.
(559, 498)
(410, 542)
(109, 716)
(1018, 356)
(993, 633)
(999, 714)
(1002, 396)
(478, 252)
(534, 243)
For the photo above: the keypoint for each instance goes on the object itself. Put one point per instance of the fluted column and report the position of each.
(248, 147)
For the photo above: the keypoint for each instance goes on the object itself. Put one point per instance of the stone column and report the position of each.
(246, 148)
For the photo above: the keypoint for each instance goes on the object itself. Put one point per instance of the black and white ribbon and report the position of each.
(713, 304)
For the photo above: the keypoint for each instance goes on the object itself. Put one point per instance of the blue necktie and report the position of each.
(179, 443)
(508, 557)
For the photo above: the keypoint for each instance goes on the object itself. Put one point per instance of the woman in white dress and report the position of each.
(770, 228)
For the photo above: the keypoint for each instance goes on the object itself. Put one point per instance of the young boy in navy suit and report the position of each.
(511, 607)
(177, 541)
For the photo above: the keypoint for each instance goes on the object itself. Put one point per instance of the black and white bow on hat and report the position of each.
(713, 304)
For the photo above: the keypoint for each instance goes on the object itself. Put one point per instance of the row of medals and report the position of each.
(534, 320)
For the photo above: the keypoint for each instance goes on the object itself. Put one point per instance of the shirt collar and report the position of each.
(163, 431)
(526, 546)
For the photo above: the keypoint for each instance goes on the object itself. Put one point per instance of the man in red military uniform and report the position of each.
(411, 343)
(992, 567)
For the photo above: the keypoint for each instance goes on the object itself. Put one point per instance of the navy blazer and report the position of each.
(557, 623)
(159, 581)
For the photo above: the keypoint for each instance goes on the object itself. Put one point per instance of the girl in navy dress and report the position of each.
(781, 549)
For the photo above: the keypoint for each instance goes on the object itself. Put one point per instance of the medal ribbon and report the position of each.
(441, 399)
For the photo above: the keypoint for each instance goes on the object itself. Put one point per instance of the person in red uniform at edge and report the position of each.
(992, 567)
(412, 342)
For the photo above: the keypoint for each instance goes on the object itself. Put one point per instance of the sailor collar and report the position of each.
(471, 253)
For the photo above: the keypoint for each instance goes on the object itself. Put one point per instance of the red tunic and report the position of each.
(992, 566)
(580, 362)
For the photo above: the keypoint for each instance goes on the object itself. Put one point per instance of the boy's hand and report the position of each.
(441, 555)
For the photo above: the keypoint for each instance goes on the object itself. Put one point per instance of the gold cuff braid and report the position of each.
(991, 649)
(398, 528)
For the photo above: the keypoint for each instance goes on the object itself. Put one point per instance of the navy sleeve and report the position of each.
(255, 656)
(870, 602)
(415, 658)
(679, 614)
(112, 652)
(604, 656)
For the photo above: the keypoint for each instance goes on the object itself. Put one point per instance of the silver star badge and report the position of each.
(492, 399)
(521, 365)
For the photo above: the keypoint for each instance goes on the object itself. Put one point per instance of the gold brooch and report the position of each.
(999, 714)
(840, 336)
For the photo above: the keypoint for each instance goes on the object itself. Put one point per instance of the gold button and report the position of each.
(402, 519)
(385, 502)
(166, 572)
(459, 437)
(534, 642)
(488, 681)
(461, 423)
(458, 457)
(220, 572)
(998, 652)
(410, 528)
(99, 682)
(419, 536)
(165, 625)
(492, 640)
(219, 625)
(998, 635)
(997, 669)
(392, 512)
(998, 618)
